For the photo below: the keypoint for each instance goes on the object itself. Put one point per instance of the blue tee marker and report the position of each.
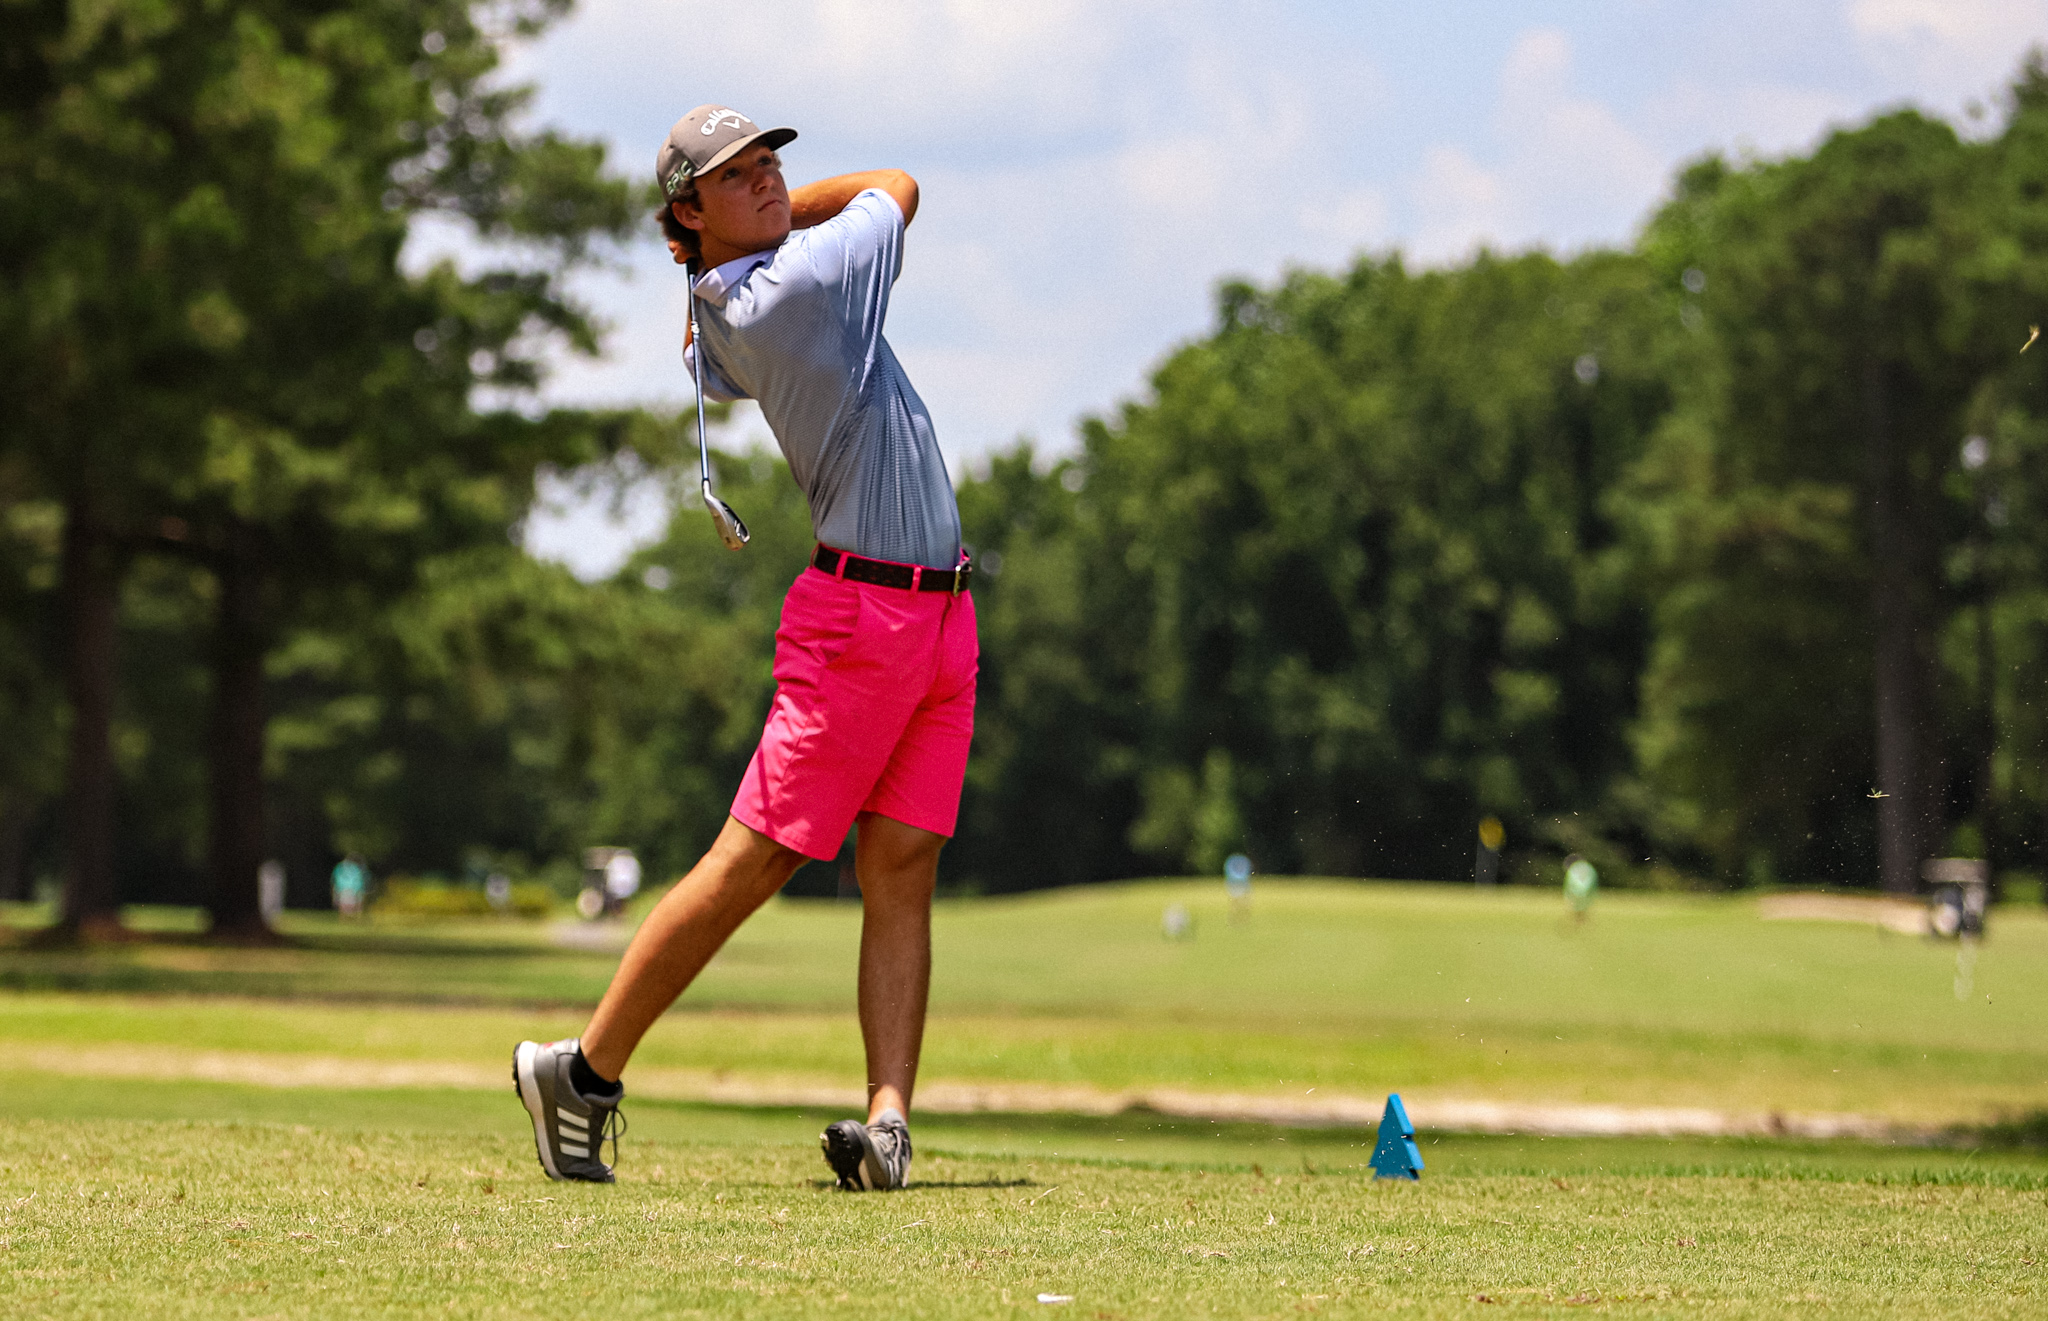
(1396, 1156)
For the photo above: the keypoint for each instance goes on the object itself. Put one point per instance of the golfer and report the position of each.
(876, 655)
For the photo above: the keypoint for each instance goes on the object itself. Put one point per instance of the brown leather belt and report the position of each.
(884, 573)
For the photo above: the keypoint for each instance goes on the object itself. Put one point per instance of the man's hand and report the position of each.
(815, 203)
(683, 259)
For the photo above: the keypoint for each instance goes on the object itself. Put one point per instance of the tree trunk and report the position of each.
(1908, 745)
(15, 814)
(91, 585)
(1987, 730)
(235, 744)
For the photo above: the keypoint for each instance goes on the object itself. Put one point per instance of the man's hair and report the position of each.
(674, 229)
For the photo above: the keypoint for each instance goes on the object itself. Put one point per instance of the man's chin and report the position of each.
(763, 241)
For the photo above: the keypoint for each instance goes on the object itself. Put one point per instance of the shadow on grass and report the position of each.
(1133, 1123)
(474, 963)
(918, 1185)
(422, 941)
(2021, 1132)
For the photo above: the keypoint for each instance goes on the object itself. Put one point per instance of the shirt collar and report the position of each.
(714, 284)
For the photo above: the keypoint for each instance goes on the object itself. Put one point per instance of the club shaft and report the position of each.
(697, 366)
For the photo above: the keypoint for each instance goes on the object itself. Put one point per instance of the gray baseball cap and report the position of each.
(705, 138)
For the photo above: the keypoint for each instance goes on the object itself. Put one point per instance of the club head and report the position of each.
(731, 530)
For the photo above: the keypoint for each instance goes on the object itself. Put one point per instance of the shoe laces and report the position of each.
(613, 1127)
(893, 1139)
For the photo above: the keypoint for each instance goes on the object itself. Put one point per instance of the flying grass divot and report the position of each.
(1396, 1156)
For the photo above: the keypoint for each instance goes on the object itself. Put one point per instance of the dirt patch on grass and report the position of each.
(1905, 916)
(940, 1096)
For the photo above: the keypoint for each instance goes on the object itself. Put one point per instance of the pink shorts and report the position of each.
(874, 709)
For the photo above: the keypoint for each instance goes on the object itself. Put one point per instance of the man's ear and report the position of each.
(689, 217)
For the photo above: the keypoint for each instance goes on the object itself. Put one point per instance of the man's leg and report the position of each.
(897, 866)
(743, 868)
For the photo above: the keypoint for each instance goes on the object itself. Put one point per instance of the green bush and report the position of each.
(431, 897)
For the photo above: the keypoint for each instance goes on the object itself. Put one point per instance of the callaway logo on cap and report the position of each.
(705, 138)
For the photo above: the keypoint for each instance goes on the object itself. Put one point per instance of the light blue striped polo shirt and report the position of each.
(799, 329)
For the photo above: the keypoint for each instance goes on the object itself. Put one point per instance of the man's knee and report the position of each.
(748, 853)
(896, 846)
(897, 860)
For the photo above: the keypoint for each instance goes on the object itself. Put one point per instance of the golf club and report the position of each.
(731, 530)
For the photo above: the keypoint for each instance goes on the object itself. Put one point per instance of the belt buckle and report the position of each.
(957, 579)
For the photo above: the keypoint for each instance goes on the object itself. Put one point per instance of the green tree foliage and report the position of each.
(507, 711)
(1050, 789)
(1344, 583)
(233, 367)
(1662, 556)
(698, 676)
(2007, 573)
(1801, 514)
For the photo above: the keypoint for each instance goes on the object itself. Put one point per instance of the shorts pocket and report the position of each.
(820, 618)
(960, 651)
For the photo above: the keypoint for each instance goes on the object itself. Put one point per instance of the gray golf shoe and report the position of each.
(869, 1157)
(568, 1126)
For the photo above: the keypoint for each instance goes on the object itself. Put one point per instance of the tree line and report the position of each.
(1713, 559)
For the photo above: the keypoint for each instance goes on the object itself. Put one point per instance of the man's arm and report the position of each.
(815, 203)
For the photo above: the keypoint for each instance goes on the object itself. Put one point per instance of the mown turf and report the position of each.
(1349, 987)
(1131, 1138)
(166, 1219)
(154, 1197)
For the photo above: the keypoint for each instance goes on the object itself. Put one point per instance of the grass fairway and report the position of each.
(135, 1180)
(421, 1202)
(1344, 987)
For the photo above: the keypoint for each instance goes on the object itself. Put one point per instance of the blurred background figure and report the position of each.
(1962, 891)
(270, 890)
(1237, 882)
(611, 876)
(1486, 868)
(1178, 923)
(621, 878)
(1580, 883)
(351, 880)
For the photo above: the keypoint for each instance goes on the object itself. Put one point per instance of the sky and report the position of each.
(1090, 172)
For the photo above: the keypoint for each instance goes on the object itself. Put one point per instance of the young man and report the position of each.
(875, 658)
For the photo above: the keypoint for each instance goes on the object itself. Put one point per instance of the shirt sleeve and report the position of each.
(857, 256)
(716, 387)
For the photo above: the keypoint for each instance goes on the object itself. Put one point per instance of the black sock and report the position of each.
(587, 1080)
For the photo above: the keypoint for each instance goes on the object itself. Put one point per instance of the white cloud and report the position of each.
(1980, 26)
(1538, 67)
(1092, 168)
(1355, 218)
(942, 74)
(1089, 172)
(1954, 50)
(1044, 59)
(1567, 170)
(1763, 119)
(993, 383)
(645, 311)
(1575, 161)
(1460, 204)
(594, 527)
